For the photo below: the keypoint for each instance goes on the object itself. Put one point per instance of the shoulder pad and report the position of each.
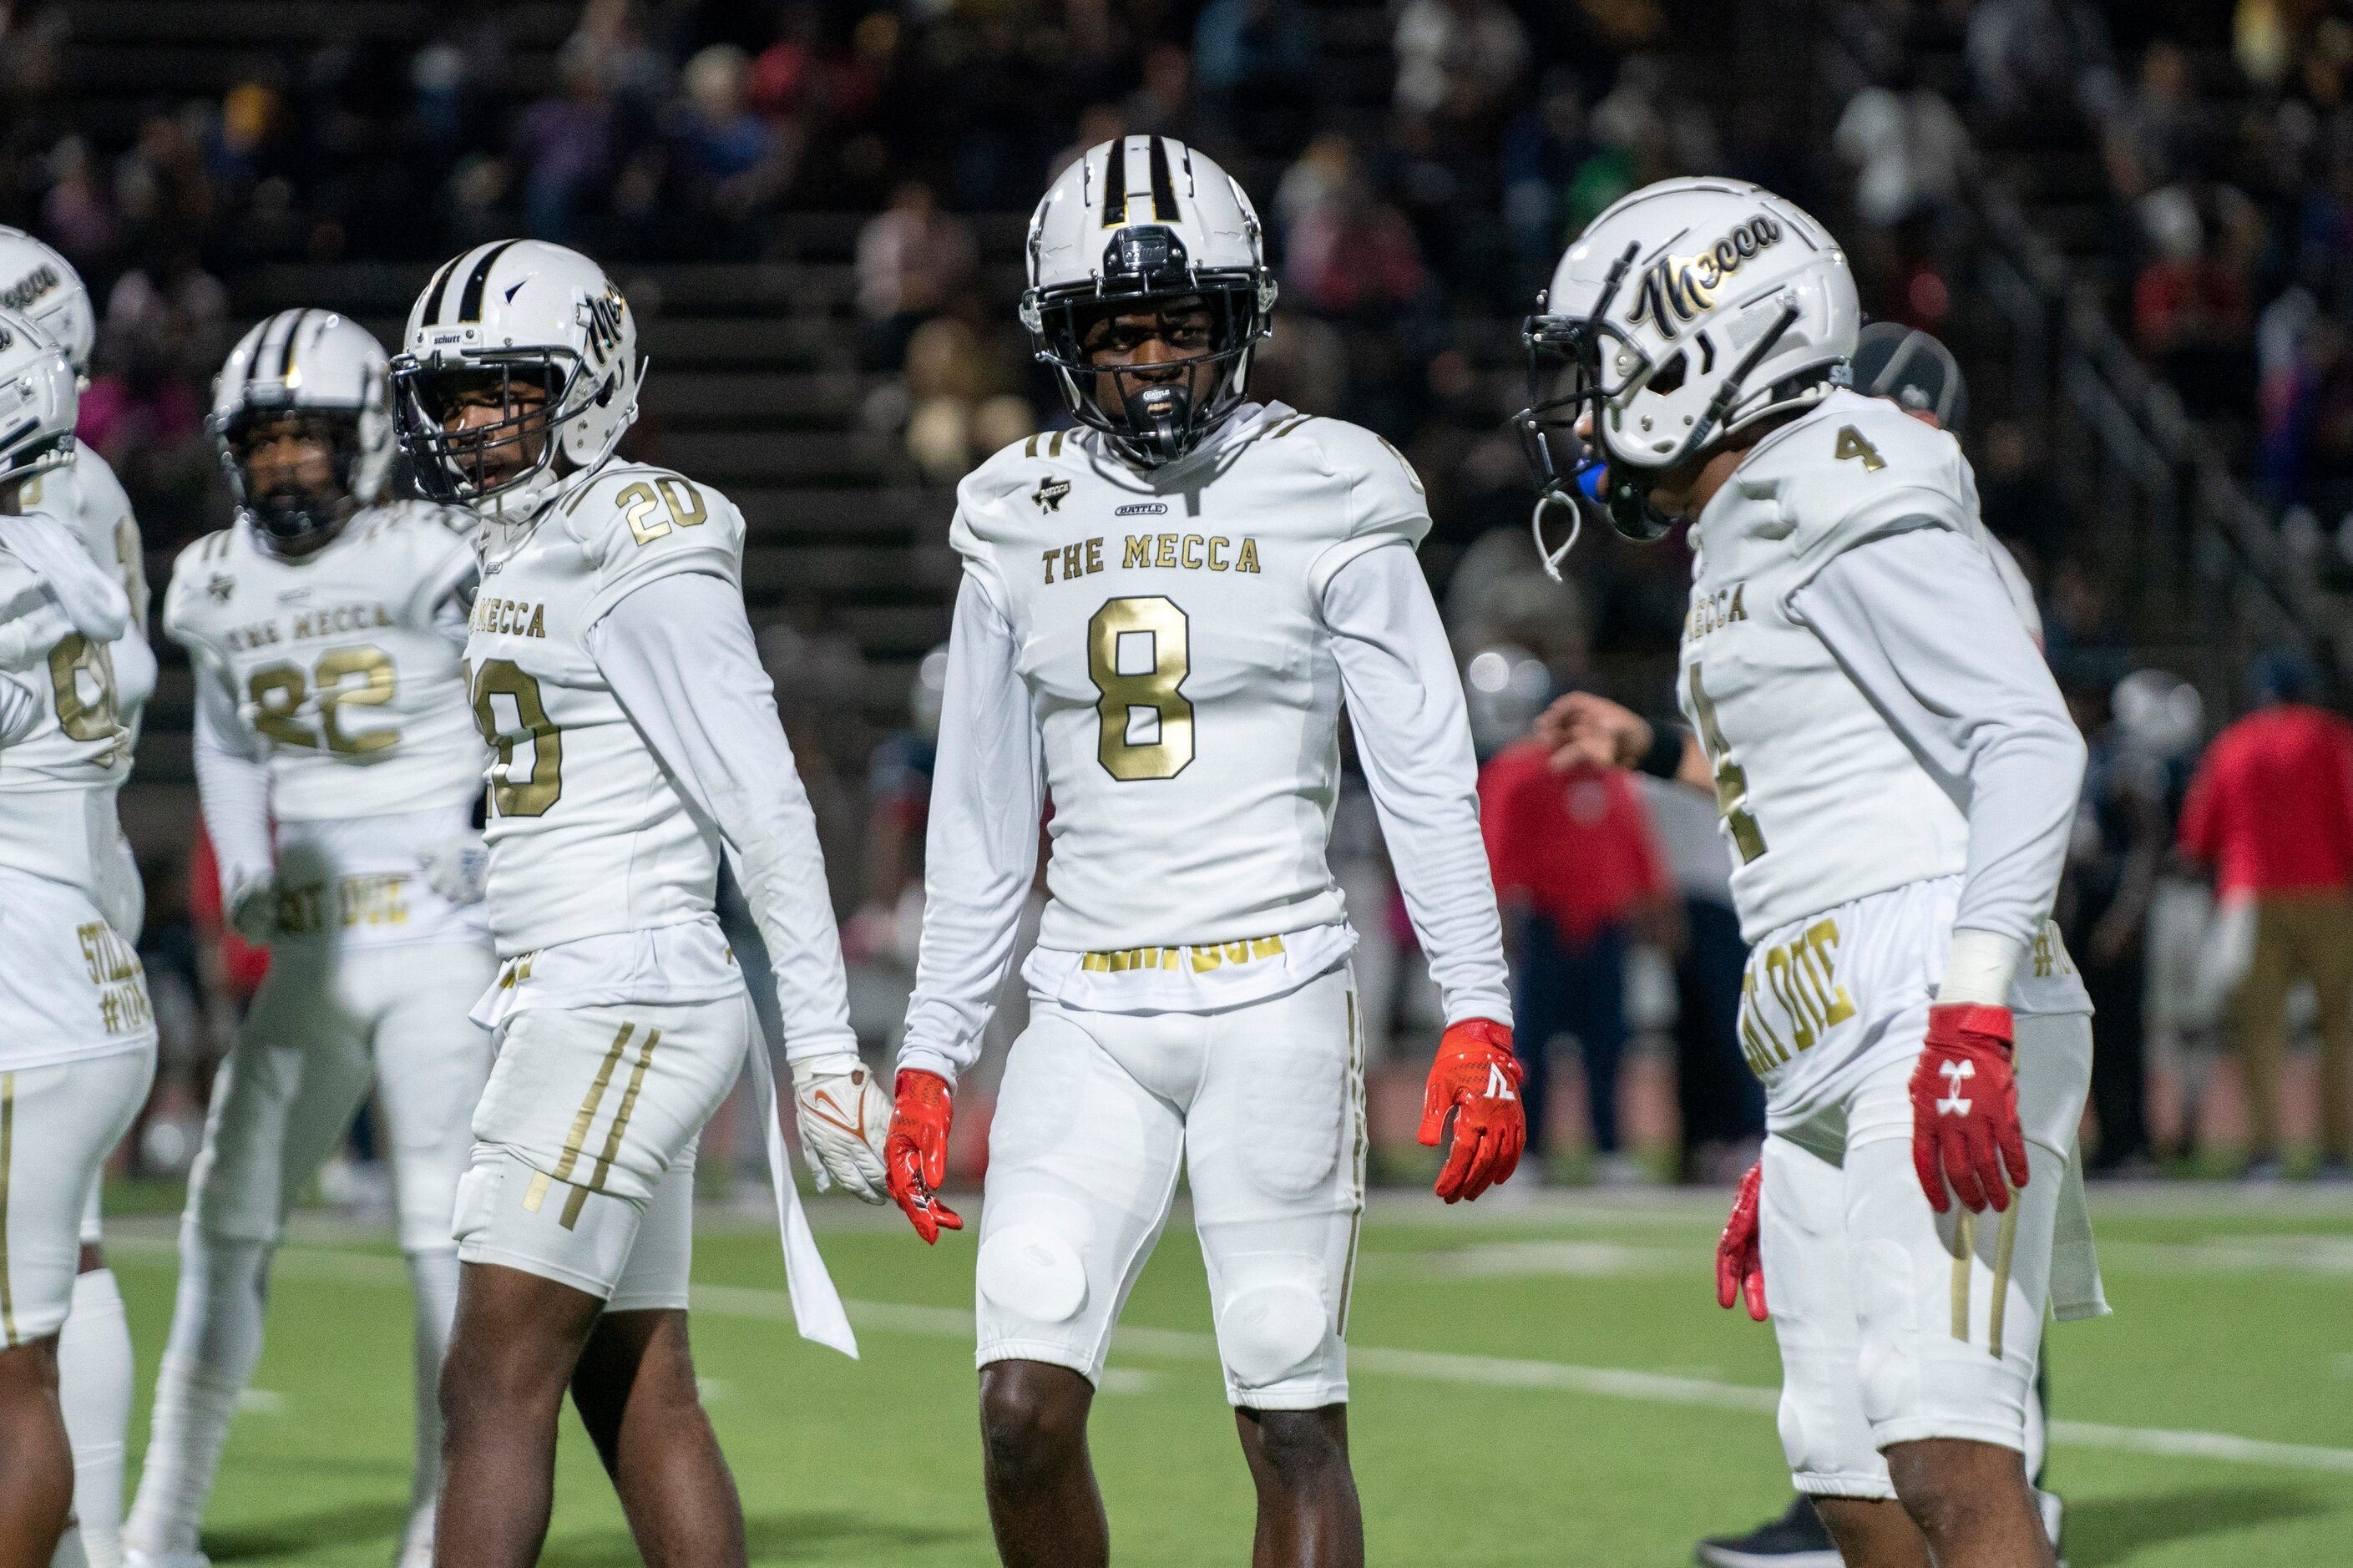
(1380, 500)
(1853, 469)
(636, 523)
(193, 570)
(1017, 467)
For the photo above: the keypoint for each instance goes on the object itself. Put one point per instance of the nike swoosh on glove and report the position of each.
(1965, 1109)
(1478, 1078)
(917, 1151)
(1739, 1269)
(458, 868)
(842, 1116)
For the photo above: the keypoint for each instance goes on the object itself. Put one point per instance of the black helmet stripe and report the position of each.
(432, 316)
(1164, 188)
(1114, 211)
(294, 322)
(469, 305)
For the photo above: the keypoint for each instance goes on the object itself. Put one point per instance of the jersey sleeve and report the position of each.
(1414, 740)
(641, 525)
(30, 619)
(988, 793)
(682, 664)
(976, 533)
(1383, 500)
(1922, 623)
(107, 523)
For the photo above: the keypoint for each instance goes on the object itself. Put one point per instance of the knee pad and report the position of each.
(1887, 1373)
(1271, 1330)
(1031, 1271)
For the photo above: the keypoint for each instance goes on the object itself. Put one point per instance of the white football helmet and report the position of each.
(1141, 220)
(1683, 314)
(311, 366)
(516, 312)
(40, 399)
(36, 281)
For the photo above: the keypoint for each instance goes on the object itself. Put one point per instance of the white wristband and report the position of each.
(831, 1064)
(1978, 968)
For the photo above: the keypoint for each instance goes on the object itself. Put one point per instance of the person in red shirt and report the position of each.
(1575, 861)
(2271, 810)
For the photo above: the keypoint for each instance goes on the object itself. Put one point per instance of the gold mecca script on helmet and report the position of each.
(1678, 288)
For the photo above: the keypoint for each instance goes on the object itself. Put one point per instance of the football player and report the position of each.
(325, 627)
(76, 1032)
(1896, 774)
(613, 670)
(94, 1372)
(1161, 614)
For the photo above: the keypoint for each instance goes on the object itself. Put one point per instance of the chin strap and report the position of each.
(1551, 557)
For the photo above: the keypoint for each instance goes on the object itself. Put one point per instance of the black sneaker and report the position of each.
(1795, 1540)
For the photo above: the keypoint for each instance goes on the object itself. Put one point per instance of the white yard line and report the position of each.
(345, 1266)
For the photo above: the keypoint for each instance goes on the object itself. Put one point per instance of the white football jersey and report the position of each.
(87, 698)
(1183, 684)
(353, 694)
(588, 835)
(1820, 799)
(345, 670)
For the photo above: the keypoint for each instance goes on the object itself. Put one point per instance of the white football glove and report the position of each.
(844, 1116)
(460, 869)
(252, 912)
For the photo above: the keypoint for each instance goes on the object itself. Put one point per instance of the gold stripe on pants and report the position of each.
(7, 1158)
(580, 1124)
(613, 1134)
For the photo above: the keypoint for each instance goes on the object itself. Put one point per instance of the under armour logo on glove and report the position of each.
(1971, 1143)
(1953, 1104)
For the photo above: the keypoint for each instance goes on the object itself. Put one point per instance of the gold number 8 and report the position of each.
(84, 719)
(1146, 724)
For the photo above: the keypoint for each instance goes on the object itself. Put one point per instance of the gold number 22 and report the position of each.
(278, 690)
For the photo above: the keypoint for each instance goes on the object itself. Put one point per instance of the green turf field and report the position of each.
(2209, 1423)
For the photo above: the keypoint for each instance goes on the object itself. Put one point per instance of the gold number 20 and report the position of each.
(684, 502)
(496, 677)
(1138, 656)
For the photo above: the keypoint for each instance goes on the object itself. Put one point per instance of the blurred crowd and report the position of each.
(2194, 161)
(1419, 165)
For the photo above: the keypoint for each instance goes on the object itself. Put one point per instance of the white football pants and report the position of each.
(329, 1021)
(1263, 1107)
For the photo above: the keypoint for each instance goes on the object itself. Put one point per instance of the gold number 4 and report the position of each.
(683, 501)
(496, 678)
(1138, 656)
(1731, 779)
(1851, 444)
(278, 691)
(84, 719)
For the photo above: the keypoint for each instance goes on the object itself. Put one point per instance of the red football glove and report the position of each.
(1475, 1071)
(1965, 1109)
(915, 1154)
(1739, 1271)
